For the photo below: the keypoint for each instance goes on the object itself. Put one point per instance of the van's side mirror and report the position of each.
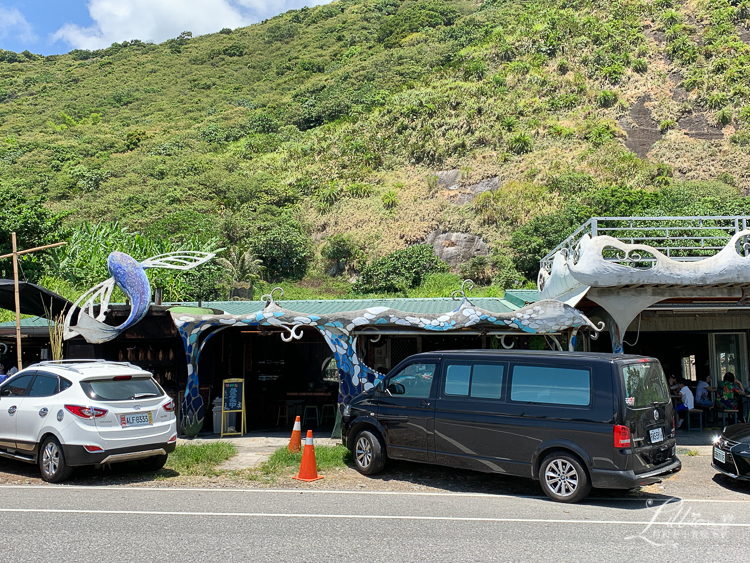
(397, 389)
(380, 386)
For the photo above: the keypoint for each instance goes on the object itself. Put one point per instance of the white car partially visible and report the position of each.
(68, 413)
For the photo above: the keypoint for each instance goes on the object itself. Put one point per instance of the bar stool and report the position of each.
(327, 411)
(691, 412)
(724, 414)
(314, 409)
(284, 413)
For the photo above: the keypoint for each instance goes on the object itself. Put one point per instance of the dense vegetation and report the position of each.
(311, 142)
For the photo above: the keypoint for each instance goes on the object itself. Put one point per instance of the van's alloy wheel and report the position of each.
(369, 453)
(563, 478)
(52, 461)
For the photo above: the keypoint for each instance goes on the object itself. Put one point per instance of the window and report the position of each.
(644, 384)
(330, 370)
(64, 384)
(18, 385)
(121, 390)
(415, 380)
(43, 386)
(553, 385)
(481, 381)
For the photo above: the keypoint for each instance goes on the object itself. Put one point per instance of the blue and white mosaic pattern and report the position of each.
(544, 317)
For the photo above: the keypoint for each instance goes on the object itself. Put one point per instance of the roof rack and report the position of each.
(66, 364)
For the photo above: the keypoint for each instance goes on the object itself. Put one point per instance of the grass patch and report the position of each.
(199, 459)
(692, 453)
(282, 463)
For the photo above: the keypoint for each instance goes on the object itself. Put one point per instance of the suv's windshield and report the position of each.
(644, 384)
(121, 390)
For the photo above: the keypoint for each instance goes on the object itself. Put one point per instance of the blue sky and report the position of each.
(49, 27)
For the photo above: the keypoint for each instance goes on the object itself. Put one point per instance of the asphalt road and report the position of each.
(43, 523)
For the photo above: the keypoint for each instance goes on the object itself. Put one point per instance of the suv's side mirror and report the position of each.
(5, 392)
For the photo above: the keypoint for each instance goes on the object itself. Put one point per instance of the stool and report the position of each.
(314, 409)
(691, 412)
(283, 412)
(327, 411)
(724, 415)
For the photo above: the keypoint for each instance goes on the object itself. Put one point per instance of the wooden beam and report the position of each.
(19, 363)
(32, 250)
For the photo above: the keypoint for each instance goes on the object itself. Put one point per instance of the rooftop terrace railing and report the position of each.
(681, 238)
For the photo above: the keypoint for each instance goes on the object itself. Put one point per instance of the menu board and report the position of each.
(233, 395)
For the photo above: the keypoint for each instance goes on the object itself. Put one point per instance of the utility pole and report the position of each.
(15, 254)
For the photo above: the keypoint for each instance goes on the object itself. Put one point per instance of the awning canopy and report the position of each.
(33, 299)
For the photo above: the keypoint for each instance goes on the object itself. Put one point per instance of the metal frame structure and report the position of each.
(708, 235)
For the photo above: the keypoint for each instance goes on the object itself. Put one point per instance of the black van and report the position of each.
(572, 420)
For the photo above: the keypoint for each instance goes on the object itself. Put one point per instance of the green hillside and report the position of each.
(325, 139)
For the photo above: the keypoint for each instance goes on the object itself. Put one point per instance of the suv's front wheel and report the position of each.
(563, 478)
(52, 463)
(369, 453)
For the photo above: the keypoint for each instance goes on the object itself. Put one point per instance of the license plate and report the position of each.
(657, 435)
(719, 455)
(136, 419)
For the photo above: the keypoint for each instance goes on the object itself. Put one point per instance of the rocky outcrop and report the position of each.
(456, 248)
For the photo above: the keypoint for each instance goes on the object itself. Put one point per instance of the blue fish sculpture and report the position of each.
(130, 276)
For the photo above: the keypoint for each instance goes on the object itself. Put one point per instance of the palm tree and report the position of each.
(243, 269)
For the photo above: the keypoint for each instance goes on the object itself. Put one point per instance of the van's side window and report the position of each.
(414, 380)
(553, 385)
(481, 381)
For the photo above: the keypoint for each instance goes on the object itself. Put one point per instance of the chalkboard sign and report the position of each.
(233, 402)
(233, 394)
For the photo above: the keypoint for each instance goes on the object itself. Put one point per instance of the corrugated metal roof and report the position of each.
(521, 297)
(29, 322)
(433, 306)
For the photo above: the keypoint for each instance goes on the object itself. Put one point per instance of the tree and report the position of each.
(400, 270)
(34, 225)
(243, 269)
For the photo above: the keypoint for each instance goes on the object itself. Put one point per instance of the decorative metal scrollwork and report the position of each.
(504, 345)
(463, 290)
(292, 333)
(268, 297)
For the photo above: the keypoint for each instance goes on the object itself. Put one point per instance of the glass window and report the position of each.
(415, 380)
(64, 384)
(457, 380)
(487, 381)
(121, 390)
(479, 381)
(18, 385)
(553, 385)
(43, 386)
(644, 384)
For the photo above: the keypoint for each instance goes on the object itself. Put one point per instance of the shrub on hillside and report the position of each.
(478, 269)
(399, 270)
(283, 249)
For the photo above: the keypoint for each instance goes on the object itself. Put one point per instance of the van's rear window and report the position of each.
(644, 384)
(121, 390)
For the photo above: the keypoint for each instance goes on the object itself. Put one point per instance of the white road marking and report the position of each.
(330, 492)
(697, 524)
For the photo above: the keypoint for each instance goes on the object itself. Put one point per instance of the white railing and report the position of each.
(680, 238)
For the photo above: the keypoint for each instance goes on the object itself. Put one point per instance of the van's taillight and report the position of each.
(169, 407)
(622, 436)
(122, 378)
(85, 412)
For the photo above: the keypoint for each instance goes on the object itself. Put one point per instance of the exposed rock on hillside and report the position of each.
(456, 248)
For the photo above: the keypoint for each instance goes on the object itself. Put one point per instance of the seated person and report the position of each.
(703, 392)
(687, 401)
(728, 392)
(674, 388)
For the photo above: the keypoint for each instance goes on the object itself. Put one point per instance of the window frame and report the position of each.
(6, 383)
(468, 397)
(587, 368)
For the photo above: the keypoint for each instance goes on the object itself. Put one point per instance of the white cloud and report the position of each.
(13, 24)
(158, 20)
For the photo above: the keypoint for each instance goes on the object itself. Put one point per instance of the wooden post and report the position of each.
(15, 254)
(19, 363)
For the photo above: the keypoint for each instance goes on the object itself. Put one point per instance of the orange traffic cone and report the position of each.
(308, 470)
(295, 442)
